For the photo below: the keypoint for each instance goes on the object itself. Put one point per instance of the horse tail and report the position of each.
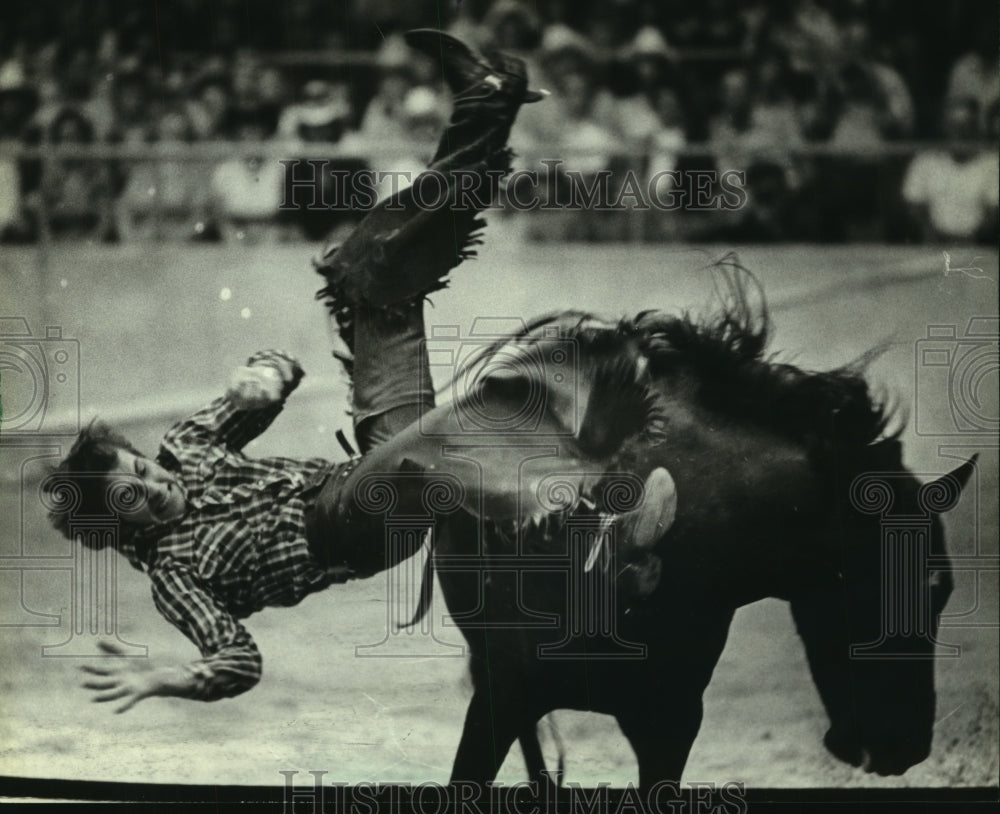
(426, 586)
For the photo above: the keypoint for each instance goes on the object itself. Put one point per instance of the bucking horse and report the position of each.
(781, 478)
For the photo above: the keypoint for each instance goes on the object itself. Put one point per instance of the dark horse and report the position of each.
(784, 482)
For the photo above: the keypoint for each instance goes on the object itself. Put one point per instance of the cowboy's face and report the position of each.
(164, 498)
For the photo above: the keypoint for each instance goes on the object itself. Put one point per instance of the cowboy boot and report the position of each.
(469, 76)
(402, 251)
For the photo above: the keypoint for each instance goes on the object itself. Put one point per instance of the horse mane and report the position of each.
(724, 353)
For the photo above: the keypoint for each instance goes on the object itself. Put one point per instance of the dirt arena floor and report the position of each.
(155, 332)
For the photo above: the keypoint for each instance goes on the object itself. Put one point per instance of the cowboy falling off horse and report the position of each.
(221, 535)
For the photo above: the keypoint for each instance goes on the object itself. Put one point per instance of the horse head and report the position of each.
(869, 621)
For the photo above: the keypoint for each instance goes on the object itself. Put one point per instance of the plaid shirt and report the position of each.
(241, 544)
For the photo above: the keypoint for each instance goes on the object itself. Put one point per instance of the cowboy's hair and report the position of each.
(94, 453)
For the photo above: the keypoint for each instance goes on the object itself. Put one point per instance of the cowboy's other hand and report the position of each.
(254, 387)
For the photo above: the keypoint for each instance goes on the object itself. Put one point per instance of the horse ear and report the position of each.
(964, 472)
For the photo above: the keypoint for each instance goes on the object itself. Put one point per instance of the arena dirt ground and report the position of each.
(396, 715)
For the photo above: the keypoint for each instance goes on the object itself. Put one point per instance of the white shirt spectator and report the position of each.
(958, 195)
(245, 191)
(589, 147)
(631, 118)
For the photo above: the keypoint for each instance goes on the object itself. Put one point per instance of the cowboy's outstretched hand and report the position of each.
(119, 678)
(129, 680)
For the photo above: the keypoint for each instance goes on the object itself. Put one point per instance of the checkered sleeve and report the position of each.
(231, 662)
(222, 422)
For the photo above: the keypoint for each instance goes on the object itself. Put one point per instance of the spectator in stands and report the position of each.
(662, 150)
(668, 138)
(859, 180)
(75, 71)
(17, 104)
(862, 112)
(421, 114)
(272, 89)
(209, 104)
(749, 129)
(99, 106)
(897, 115)
(246, 190)
(467, 24)
(714, 24)
(756, 132)
(588, 145)
(804, 31)
(513, 27)
(976, 74)
(425, 113)
(953, 193)
(817, 103)
(245, 75)
(50, 98)
(564, 54)
(131, 109)
(384, 118)
(323, 115)
(588, 149)
(165, 199)
(649, 65)
(76, 192)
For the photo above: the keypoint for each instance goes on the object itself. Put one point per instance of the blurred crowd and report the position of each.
(807, 97)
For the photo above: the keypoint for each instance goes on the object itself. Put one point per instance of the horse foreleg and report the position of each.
(663, 742)
(662, 715)
(486, 739)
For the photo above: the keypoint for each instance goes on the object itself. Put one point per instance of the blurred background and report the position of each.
(125, 123)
